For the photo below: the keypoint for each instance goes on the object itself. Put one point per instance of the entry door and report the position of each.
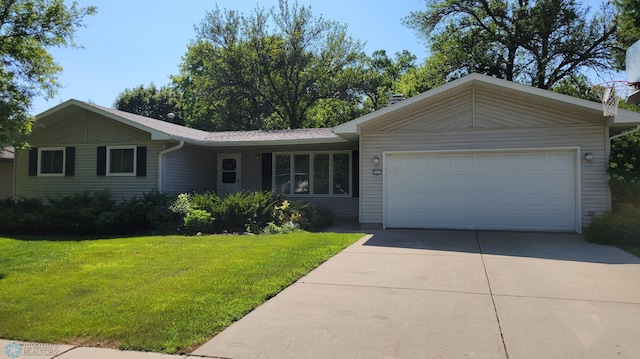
(229, 173)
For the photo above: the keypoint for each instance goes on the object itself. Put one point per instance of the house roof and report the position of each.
(351, 128)
(161, 130)
(8, 153)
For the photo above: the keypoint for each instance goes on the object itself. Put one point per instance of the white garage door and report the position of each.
(507, 190)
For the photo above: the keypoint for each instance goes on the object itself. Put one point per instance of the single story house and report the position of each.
(6, 172)
(476, 153)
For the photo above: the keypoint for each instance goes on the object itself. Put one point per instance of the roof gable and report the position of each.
(161, 130)
(453, 89)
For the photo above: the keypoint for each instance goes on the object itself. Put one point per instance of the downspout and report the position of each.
(161, 162)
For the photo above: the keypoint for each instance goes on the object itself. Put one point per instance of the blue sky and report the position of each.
(134, 42)
(138, 42)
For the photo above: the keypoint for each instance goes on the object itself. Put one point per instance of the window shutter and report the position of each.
(355, 174)
(101, 163)
(70, 161)
(141, 161)
(267, 172)
(33, 161)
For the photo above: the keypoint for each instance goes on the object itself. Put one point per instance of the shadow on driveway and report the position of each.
(555, 246)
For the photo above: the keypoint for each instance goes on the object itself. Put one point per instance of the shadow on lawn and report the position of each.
(63, 238)
(555, 246)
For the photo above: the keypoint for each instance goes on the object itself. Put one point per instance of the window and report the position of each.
(51, 161)
(321, 173)
(121, 161)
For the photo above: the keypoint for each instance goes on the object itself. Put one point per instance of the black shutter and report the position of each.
(101, 163)
(70, 161)
(355, 174)
(141, 161)
(33, 161)
(267, 172)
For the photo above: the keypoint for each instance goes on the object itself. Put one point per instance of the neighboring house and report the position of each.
(476, 153)
(6, 172)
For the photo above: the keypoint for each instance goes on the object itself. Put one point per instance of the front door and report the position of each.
(228, 173)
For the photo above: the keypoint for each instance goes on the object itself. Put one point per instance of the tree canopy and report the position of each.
(151, 102)
(628, 31)
(28, 29)
(267, 69)
(533, 42)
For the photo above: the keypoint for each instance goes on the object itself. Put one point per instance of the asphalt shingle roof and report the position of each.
(203, 137)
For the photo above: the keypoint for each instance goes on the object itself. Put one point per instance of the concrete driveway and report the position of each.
(451, 294)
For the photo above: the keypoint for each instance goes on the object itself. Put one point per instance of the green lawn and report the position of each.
(166, 294)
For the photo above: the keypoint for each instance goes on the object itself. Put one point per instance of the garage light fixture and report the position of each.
(588, 156)
(376, 160)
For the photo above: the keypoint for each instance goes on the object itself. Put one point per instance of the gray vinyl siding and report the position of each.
(189, 169)
(342, 206)
(6, 178)
(87, 131)
(487, 123)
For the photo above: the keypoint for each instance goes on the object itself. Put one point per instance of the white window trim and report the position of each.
(64, 161)
(135, 160)
(311, 173)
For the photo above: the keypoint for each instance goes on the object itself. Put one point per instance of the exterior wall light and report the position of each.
(376, 160)
(588, 156)
(257, 157)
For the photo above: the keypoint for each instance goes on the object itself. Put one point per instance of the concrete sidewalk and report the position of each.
(441, 294)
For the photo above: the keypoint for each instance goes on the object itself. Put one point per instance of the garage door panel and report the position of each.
(528, 190)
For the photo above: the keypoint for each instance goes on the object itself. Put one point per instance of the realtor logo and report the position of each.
(13, 350)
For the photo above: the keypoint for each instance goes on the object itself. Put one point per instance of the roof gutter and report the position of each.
(624, 133)
(161, 163)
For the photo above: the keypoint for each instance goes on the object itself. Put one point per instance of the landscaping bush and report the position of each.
(620, 228)
(313, 217)
(75, 214)
(150, 213)
(624, 171)
(286, 228)
(198, 220)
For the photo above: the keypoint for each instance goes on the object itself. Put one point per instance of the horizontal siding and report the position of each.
(591, 138)
(105, 130)
(86, 131)
(444, 113)
(342, 207)
(6, 179)
(508, 111)
(85, 178)
(67, 130)
(189, 169)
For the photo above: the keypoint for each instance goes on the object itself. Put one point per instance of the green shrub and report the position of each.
(621, 228)
(247, 211)
(311, 217)
(624, 170)
(198, 220)
(286, 228)
(74, 215)
(150, 213)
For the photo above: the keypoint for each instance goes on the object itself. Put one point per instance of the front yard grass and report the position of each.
(165, 294)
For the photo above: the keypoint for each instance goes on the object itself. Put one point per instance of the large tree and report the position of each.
(28, 30)
(151, 102)
(534, 42)
(628, 31)
(383, 73)
(267, 69)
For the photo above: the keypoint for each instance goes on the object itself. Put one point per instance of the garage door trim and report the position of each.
(577, 167)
